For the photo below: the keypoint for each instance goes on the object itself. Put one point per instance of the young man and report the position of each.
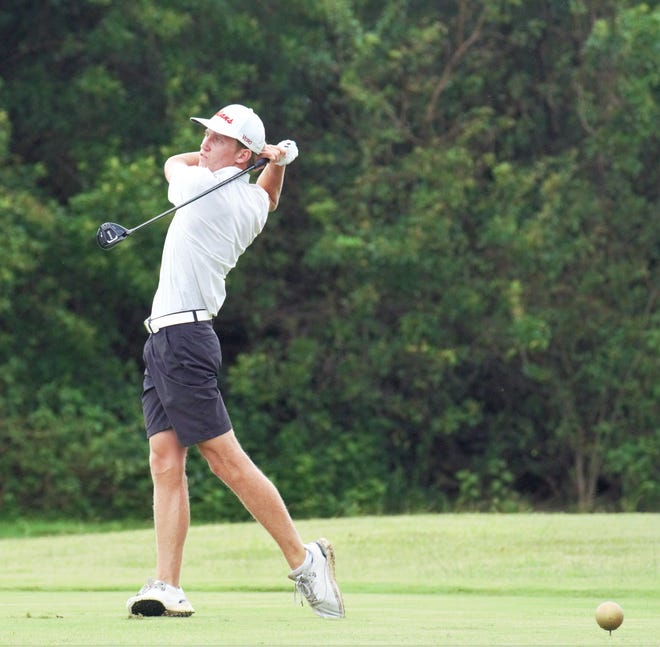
(181, 401)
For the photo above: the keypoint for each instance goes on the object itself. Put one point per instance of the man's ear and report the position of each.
(243, 155)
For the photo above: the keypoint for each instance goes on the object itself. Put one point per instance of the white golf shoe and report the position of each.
(315, 580)
(157, 598)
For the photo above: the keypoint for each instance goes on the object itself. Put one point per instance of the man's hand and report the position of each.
(282, 154)
(290, 150)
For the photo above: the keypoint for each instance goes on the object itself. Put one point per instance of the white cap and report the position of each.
(238, 122)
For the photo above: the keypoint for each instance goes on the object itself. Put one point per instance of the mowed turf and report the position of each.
(408, 580)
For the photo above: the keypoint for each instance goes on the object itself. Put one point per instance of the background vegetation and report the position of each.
(456, 305)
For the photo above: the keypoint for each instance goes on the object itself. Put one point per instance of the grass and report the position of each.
(409, 580)
(12, 528)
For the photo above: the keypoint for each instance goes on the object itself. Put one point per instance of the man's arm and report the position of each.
(271, 181)
(179, 161)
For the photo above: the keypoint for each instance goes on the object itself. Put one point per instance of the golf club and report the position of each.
(110, 234)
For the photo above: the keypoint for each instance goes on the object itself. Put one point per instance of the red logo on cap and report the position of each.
(246, 139)
(222, 115)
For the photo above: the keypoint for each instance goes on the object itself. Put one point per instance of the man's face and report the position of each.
(218, 151)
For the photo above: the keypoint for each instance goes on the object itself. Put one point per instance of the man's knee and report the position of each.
(227, 459)
(167, 459)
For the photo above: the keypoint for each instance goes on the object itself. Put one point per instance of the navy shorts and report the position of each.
(180, 389)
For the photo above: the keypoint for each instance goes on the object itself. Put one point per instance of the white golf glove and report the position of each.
(291, 152)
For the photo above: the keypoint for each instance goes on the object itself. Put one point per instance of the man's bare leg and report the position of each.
(235, 468)
(167, 460)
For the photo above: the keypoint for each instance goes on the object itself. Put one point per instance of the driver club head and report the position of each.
(110, 234)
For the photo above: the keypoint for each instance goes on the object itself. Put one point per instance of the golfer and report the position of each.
(181, 401)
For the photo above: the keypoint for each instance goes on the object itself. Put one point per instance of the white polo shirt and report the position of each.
(205, 238)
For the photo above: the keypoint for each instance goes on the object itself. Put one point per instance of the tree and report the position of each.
(455, 305)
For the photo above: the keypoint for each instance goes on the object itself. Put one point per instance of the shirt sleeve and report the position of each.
(188, 182)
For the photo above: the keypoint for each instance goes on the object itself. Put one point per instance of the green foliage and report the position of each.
(456, 305)
(68, 428)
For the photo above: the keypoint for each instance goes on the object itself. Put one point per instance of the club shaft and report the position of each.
(258, 164)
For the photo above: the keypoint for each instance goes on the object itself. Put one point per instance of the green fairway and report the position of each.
(422, 580)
